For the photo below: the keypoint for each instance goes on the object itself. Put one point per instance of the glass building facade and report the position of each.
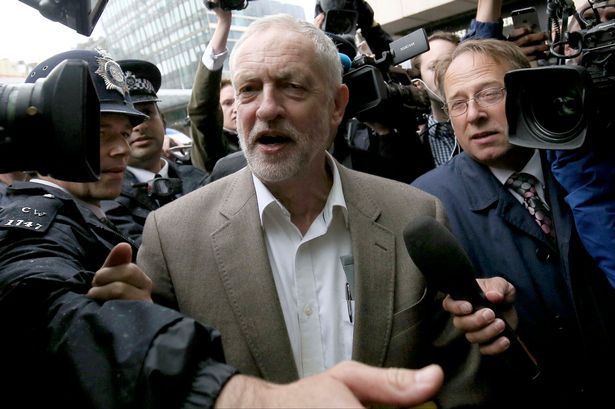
(173, 34)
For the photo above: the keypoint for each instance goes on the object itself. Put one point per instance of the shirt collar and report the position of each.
(532, 167)
(335, 199)
(95, 209)
(143, 175)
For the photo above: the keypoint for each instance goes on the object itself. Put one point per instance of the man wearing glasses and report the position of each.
(508, 212)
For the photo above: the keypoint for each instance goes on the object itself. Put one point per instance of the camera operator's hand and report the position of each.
(533, 44)
(379, 128)
(220, 36)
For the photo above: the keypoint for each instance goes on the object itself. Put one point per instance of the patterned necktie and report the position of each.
(525, 185)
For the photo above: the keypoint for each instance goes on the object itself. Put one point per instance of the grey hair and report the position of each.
(327, 56)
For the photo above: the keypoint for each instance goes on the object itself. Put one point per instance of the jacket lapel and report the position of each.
(241, 255)
(373, 249)
(491, 193)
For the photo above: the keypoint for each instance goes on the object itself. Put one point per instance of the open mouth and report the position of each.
(272, 140)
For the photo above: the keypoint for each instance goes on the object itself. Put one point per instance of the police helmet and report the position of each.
(143, 79)
(107, 76)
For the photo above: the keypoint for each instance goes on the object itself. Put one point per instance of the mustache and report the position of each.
(278, 129)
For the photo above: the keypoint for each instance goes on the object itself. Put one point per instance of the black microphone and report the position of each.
(446, 266)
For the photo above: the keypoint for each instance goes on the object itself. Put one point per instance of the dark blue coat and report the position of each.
(60, 348)
(565, 310)
(129, 210)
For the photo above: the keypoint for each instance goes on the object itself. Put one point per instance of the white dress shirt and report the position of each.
(144, 175)
(310, 279)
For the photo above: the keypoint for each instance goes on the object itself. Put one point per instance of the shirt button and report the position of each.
(308, 310)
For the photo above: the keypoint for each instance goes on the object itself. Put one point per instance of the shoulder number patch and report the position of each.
(34, 213)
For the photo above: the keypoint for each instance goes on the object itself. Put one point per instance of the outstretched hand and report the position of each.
(120, 278)
(347, 385)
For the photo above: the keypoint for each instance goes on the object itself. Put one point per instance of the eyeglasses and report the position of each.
(484, 98)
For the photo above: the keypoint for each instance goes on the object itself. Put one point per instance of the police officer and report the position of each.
(59, 347)
(150, 180)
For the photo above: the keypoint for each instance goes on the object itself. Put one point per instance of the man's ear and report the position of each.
(340, 101)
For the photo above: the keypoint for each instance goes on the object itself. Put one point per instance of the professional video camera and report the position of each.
(341, 16)
(80, 15)
(380, 91)
(554, 107)
(227, 4)
(53, 125)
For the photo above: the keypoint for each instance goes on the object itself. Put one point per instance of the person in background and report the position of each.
(77, 317)
(488, 23)
(150, 181)
(212, 104)
(323, 275)
(438, 133)
(508, 212)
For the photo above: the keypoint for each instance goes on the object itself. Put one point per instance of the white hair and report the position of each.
(327, 55)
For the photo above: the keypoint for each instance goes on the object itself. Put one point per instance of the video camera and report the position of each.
(341, 16)
(227, 4)
(53, 125)
(554, 107)
(80, 15)
(380, 91)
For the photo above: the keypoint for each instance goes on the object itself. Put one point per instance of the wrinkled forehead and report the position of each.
(275, 49)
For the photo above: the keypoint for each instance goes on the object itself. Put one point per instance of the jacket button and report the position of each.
(543, 254)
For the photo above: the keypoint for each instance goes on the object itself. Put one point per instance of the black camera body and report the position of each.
(380, 91)
(53, 125)
(554, 107)
(598, 44)
(80, 15)
(227, 4)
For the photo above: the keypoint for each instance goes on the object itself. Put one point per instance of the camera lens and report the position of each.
(557, 111)
(53, 125)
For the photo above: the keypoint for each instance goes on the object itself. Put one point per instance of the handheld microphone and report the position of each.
(446, 266)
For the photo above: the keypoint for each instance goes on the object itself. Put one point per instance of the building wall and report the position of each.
(400, 17)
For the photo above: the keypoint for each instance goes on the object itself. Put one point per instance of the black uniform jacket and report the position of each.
(61, 349)
(129, 211)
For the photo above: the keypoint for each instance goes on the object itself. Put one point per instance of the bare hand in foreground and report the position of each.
(347, 385)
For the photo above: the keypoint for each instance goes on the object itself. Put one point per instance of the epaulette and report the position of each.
(33, 213)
